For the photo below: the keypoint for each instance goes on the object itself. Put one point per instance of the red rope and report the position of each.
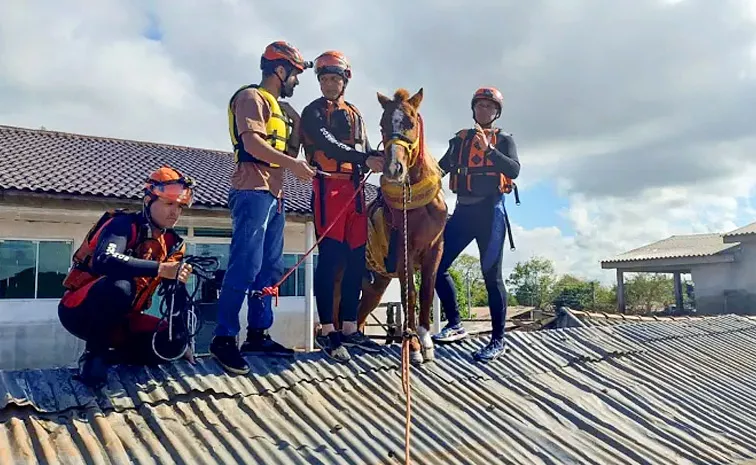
(273, 290)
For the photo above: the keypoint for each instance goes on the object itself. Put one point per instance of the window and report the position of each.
(209, 291)
(294, 286)
(33, 269)
(212, 232)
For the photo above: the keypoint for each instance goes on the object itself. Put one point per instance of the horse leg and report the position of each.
(371, 297)
(416, 356)
(428, 272)
(409, 296)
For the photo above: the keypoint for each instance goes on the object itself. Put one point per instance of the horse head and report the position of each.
(401, 130)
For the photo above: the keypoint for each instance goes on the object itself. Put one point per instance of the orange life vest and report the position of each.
(345, 123)
(473, 173)
(168, 247)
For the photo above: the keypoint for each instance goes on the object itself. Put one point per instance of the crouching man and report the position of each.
(115, 272)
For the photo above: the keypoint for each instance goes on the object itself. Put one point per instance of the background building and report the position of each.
(722, 268)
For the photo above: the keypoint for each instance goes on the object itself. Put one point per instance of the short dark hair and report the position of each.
(268, 67)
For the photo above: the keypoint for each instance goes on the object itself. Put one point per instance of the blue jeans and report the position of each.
(255, 259)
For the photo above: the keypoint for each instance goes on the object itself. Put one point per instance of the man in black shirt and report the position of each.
(481, 163)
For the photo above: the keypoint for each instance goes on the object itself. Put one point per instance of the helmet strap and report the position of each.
(147, 211)
(284, 91)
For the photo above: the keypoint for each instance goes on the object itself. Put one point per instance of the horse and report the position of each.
(411, 182)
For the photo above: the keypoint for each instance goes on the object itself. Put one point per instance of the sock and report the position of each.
(325, 330)
(349, 327)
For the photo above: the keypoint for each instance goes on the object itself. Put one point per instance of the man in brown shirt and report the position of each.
(263, 132)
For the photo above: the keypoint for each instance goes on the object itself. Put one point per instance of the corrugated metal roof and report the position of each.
(693, 245)
(677, 392)
(611, 319)
(744, 231)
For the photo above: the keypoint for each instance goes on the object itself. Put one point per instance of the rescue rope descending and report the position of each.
(178, 307)
(406, 335)
(273, 290)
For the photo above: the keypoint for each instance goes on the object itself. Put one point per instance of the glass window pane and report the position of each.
(301, 273)
(220, 251)
(301, 277)
(289, 288)
(54, 261)
(210, 290)
(212, 232)
(17, 269)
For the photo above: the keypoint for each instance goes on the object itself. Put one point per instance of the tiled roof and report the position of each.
(673, 392)
(74, 164)
(686, 246)
(744, 231)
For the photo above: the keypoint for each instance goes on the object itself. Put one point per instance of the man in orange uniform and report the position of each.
(115, 272)
(481, 162)
(336, 143)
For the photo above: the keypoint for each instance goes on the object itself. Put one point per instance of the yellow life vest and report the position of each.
(278, 128)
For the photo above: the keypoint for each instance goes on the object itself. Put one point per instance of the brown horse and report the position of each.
(411, 182)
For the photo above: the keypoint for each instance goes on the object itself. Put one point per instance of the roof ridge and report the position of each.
(120, 140)
(661, 241)
(693, 235)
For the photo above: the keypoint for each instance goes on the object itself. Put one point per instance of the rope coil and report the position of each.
(178, 308)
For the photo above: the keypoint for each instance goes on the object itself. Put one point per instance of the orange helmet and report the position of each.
(282, 51)
(333, 62)
(488, 93)
(167, 183)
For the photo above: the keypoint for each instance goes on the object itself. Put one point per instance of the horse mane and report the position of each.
(429, 161)
(401, 95)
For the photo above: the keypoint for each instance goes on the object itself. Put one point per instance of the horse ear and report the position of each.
(416, 99)
(383, 100)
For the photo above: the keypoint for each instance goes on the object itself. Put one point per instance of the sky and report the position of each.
(631, 117)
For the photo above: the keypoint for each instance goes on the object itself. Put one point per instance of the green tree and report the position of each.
(645, 292)
(468, 272)
(605, 299)
(467, 264)
(570, 291)
(533, 281)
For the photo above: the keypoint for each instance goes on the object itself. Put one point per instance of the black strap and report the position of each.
(509, 231)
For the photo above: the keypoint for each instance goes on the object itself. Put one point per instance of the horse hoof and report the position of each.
(416, 358)
(429, 354)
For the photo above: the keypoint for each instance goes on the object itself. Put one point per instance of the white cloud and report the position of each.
(642, 120)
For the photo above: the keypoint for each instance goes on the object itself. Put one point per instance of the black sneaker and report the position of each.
(333, 347)
(227, 354)
(361, 341)
(260, 343)
(93, 369)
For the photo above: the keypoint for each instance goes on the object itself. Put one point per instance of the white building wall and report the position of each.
(727, 287)
(31, 335)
